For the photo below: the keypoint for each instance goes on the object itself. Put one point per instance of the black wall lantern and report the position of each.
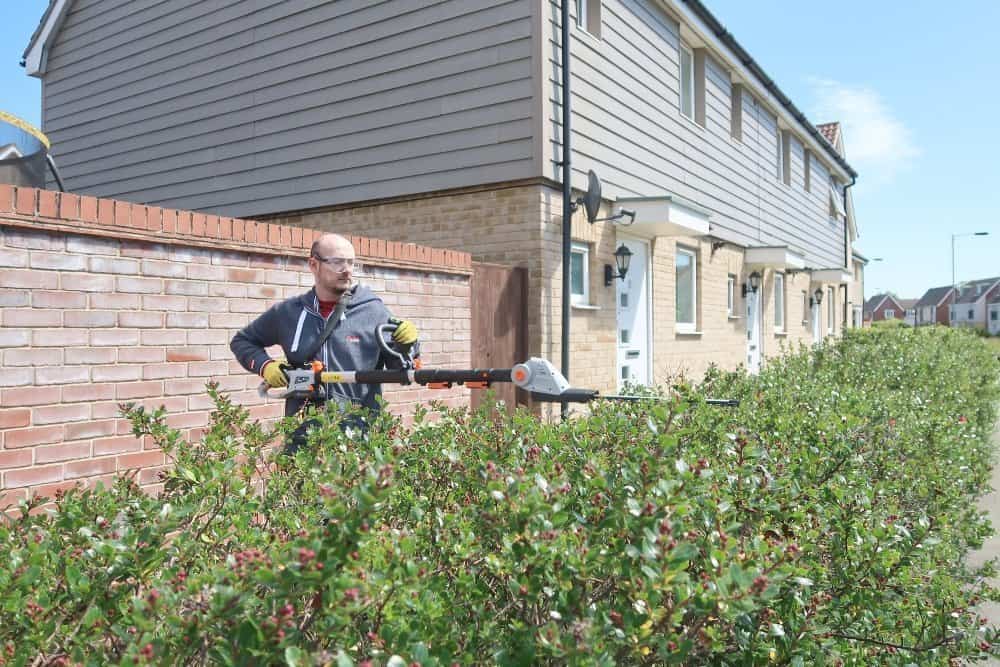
(817, 297)
(754, 280)
(622, 258)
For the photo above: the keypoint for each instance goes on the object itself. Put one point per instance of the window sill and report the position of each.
(781, 334)
(733, 317)
(687, 332)
(693, 122)
(584, 306)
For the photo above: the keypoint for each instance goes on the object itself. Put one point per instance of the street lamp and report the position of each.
(954, 289)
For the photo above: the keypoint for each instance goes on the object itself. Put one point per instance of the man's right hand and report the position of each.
(274, 373)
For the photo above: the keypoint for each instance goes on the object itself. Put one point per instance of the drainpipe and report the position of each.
(847, 244)
(567, 208)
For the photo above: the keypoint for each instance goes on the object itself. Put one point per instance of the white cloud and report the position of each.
(877, 143)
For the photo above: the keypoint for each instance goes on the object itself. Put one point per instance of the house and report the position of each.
(993, 323)
(441, 124)
(970, 308)
(909, 311)
(882, 307)
(934, 306)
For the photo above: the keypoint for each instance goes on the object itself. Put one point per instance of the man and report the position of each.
(334, 323)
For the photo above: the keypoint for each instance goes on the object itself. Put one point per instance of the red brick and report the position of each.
(59, 414)
(296, 237)
(274, 234)
(14, 258)
(212, 226)
(238, 275)
(163, 337)
(33, 476)
(115, 301)
(208, 368)
(169, 220)
(164, 302)
(117, 373)
(62, 375)
(186, 287)
(140, 320)
(117, 445)
(90, 468)
(152, 474)
(15, 418)
(29, 279)
(58, 337)
(123, 210)
(138, 217)
(139, 390)
(88, 283)
(198, 224)
(47, 207)
(25, 200)
(51, 491)
(91, 429)
(27, 317)
(16, 458)
(6, 198)
(143, 249)
(32, 357)
(183, 222)
(11, 498)
(113, 265)
(154, 218)
(106, 409)
(34, 435)
(187, 420)
(141, 460)
(88, 209)
(62, 452)
(170, 404)
(187, 320)
(91, 318)
(228, 320)
(22, 396)
(58, 299)
(105, 211)
(114, 337)
(163, 269)
(57, 261)
(205, 272)
(142, 355)
(239, 229)
(90, 355)
(14, 338)
(87, 392)
(207, 305)
(162, 371)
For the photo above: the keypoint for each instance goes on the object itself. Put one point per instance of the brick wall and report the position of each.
(103, 301)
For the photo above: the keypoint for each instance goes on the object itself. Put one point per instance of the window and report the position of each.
(731, 296)
(831, 309)
(805, 308)
(579, 273)
(588, 16)
(779, 302)
(785, 156)
(687, 82)
(736, 112)
(779, 154)
(889, 314)
(994, 315)
(971, 315)
(686, 276)
(807, 169)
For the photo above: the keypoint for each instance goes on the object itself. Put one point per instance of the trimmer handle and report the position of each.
(380, 333)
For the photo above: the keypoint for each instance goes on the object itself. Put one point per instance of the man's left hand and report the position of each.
(405, 333)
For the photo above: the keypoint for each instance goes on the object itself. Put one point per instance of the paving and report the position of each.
(990, 503)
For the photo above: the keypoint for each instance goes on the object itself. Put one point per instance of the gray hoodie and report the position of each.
(295, 324)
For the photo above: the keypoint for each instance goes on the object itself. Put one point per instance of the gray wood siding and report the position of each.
(628, 128)
(249, 107)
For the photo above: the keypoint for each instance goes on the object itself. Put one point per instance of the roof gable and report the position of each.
(935, 296)
(976, 290)
(37, 52)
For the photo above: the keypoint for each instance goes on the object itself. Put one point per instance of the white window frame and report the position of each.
(832, 310)
(994, 315)
(780, 153)
(889, 313)
(805, 308)
(687, 327)
(685, 50)
(583, 249)
(585, 9)
(731, 296)
(779, 308)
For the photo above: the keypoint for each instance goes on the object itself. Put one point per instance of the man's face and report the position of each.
(333, 267)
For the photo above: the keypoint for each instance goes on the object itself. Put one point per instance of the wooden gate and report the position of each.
(499, 325)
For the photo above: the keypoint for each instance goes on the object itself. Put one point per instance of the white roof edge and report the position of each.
(695, 24)
(830, 275)
(946, 295)
(36, 55)
(666, 215)
(779, 257)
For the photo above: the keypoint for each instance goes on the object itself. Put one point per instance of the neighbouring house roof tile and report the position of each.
(830, 132)
(874, 302)
(974, 290)
(907, 304)
(934, 296)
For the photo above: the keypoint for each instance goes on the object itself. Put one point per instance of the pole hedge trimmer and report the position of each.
(537, 376)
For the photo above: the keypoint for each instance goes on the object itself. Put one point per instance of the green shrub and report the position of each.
(824, 521)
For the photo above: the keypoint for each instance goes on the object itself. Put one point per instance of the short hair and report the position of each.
(314, 250)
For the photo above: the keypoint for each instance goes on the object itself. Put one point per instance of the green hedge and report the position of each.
(824, 521)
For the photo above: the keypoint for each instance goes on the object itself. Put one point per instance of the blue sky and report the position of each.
(913, 82)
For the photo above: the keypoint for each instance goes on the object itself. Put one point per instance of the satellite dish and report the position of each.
(592, 199)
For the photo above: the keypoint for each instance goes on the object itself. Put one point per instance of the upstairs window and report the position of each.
(687, 82)
(588, 16)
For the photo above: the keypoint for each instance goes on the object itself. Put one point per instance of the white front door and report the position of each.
(633, 317)
(753, 331)
(817, 328)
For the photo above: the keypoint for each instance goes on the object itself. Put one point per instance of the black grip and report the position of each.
(571, 395)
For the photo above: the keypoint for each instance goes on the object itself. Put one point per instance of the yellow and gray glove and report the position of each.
(405, 334)
(274, 374)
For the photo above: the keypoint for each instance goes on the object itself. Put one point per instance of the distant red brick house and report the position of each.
(932, 308)
(883, 307)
